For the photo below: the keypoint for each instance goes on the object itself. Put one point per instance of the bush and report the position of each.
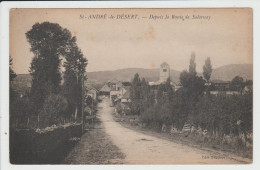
(53, 110)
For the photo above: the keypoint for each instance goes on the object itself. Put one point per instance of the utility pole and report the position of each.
(82, 103)
(92, 110)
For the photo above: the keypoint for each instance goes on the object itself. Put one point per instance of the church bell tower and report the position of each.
(164, 72)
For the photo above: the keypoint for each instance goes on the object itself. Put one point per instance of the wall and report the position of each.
(49, 147)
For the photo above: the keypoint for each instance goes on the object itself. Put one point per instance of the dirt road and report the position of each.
(140, 148)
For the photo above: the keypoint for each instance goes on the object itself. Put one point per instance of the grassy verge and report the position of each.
(95, 147)
(193, 140)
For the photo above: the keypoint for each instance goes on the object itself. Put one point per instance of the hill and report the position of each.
(228, 72)
(128, 74)
(225, 73)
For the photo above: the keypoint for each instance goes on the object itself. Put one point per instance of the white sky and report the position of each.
(114, 44)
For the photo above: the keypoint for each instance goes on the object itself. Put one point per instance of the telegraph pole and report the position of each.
(82, 103)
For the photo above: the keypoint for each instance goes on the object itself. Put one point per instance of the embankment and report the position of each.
(43, 147)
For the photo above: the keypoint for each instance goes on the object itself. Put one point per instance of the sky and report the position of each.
(146, 40)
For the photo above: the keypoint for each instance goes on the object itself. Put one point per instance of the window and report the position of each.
(164, 70)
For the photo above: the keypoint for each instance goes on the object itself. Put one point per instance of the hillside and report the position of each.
(226, 73)
(128, 74)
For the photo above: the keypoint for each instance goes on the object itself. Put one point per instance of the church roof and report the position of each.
(164, 64)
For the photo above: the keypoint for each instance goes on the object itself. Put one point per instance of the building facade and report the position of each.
(164, 72)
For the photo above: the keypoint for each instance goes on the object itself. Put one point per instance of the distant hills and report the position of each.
(128, 75)
(225, 73)
(228, 72)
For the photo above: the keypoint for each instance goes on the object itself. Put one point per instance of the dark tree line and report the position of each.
(49, 100)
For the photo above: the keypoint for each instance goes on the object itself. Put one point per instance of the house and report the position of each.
(220, 85)
(105, 90)
(118, 90)
(126, 97)
(91, 91)
(177, 86)
(217, 87)
(113, 96)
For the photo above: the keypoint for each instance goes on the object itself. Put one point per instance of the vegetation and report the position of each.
(75, 66)
(48, 102)
(217, 115)
(207, 69)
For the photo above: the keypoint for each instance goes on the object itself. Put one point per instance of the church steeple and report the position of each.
(164, 72)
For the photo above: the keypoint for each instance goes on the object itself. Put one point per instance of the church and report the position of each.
(164, 74)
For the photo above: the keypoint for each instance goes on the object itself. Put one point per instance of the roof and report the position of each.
(164, 64)
(177, 83)
(127, 94)
(90, 87)
(220, 81)
(105, 88)
(126, 83)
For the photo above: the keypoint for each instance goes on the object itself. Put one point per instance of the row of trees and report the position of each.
(49, 100)
(218, 114)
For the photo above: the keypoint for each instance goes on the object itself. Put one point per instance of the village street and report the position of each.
(139, 148)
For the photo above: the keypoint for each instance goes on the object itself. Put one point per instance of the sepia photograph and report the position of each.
(131, 86)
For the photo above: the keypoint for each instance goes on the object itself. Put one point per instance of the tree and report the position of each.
(12, 74)
(135, 88)
(49, 41)
(237, 83)
(14, 97)
(53, 110)
(207, 69)
(75, 68)
(165, 92)
(192, 66)
(193, 88)
(136, 95)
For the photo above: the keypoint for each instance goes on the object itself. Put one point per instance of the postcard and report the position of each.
(94, 86)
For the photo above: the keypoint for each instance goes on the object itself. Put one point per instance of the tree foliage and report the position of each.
(207, 69)
(192, 66)
(12, 74)
(75, 67)
(193, 85)
(237, 83)
(49, 41)
(53, 110)
(218, 114)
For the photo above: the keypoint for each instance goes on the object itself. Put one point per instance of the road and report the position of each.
(140, 148)
(108, 142)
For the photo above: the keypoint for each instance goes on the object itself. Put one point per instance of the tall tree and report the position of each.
(75, 67)
(12, 74)
(135, 95)
(192, 66)
(49, 41)
(207, 69)
(136, 87)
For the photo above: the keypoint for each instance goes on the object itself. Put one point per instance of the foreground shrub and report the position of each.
(53, 110)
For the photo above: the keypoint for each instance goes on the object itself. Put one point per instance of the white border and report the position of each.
(4, 70)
